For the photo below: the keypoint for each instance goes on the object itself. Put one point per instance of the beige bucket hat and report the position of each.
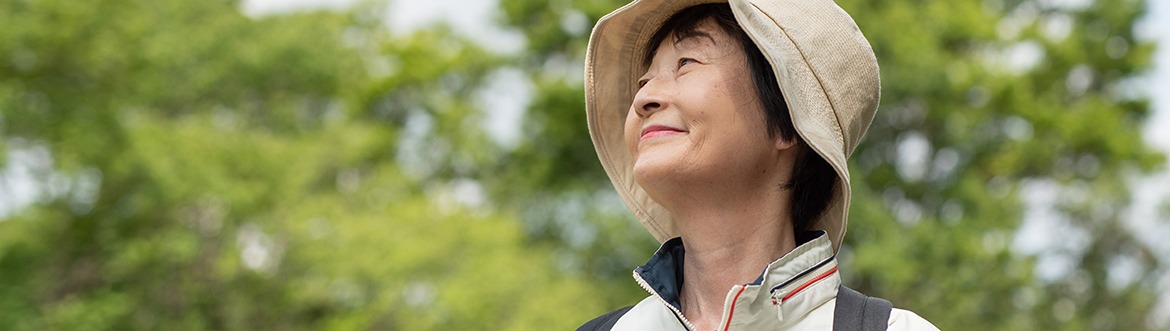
(824, 65)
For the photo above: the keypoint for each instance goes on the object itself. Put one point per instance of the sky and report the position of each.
(1157, 25)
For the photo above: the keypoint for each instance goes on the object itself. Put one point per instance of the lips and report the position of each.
(659, 130)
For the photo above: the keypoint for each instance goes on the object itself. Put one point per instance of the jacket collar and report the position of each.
(785, 291)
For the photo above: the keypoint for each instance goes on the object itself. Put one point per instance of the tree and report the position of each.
(983, 101)
(200, 169)
(206, 170)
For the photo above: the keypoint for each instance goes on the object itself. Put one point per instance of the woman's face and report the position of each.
(697, 116)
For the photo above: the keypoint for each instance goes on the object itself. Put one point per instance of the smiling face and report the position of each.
(696, 118)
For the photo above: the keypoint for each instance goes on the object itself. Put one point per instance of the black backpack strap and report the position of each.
(857, 312)
(605, 322)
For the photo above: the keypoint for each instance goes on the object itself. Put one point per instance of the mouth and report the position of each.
(659, 130)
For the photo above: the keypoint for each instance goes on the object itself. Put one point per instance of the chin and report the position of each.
(655, 173)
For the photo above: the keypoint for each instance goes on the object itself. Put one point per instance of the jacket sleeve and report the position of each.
(901, 319)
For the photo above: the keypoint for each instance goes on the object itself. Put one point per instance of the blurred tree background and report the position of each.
(197, 168)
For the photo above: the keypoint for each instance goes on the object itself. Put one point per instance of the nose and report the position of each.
(650, 98)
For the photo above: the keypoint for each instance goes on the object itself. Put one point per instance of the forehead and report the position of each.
(706, 33)
(703, 33)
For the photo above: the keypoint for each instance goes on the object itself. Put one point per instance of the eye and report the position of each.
(685, 61)
(642, 82)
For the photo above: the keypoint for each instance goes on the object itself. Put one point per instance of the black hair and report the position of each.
(813, 179)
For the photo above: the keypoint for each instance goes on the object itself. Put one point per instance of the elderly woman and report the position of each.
(725, 127)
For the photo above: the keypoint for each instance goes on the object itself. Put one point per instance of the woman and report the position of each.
(725, 127)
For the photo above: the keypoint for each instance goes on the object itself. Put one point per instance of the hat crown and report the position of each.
(821, 37)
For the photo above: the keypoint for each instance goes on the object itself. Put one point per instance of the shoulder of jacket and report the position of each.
(605, 321)
(649, 314)
(901, 319)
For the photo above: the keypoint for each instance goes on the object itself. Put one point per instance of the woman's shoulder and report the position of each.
(901, 319)
(649, 314)
(652, 315)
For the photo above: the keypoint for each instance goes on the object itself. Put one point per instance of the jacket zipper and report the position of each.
(686, 323)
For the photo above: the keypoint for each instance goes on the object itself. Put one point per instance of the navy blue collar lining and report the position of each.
(664, 272)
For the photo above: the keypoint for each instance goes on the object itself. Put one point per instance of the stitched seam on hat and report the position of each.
(606, 159)
(804, 57)
(643, 212)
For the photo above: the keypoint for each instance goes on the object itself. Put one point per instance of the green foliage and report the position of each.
(932, 227)
(206, 170)
(992, 128)
(201, 169)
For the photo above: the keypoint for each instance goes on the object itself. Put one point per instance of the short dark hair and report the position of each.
(813, 180)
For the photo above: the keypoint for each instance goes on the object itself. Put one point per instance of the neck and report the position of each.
(728, 245)
(732, 228)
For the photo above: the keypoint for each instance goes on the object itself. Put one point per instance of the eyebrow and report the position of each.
(692, 35)
(678, 38)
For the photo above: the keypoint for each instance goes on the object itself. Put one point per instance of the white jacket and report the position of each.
(796, 292)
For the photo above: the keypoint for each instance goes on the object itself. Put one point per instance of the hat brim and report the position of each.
(825, 68)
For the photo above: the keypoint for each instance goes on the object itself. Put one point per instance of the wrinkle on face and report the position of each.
(712, 99)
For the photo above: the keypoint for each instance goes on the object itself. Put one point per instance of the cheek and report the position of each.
(633, 128)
